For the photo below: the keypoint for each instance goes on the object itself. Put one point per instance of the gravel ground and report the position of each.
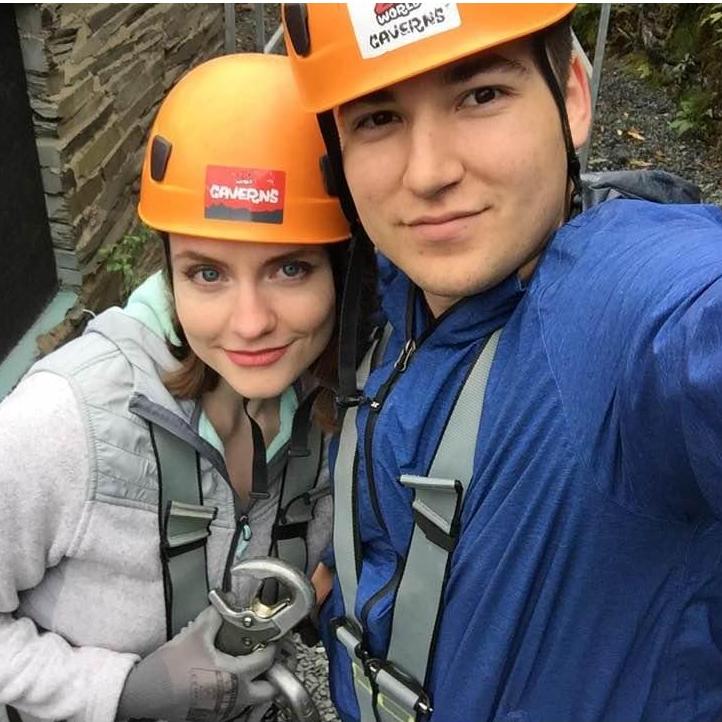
(631, 131)
(313, 671)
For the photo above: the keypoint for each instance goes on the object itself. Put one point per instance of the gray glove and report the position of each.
(189, 679)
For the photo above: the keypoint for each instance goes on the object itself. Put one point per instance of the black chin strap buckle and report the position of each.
(347, 402)
(329, 179)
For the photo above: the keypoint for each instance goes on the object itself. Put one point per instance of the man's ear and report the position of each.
(578, 102)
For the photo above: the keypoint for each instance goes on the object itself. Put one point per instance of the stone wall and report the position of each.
(96, 74)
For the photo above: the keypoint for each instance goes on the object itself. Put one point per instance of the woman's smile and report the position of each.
(263, 357)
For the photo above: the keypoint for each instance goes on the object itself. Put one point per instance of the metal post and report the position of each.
(602, 31)
(270, 46)
(260, 27)
(229, 13)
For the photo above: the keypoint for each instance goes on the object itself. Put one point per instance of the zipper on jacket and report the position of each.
(241, 524)
(376, 596)
(375, 405)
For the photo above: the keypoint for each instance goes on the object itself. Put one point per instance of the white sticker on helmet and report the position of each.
(383, 27)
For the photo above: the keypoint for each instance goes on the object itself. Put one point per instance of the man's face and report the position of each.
(459, 174)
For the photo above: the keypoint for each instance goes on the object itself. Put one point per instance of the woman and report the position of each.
(154, 428)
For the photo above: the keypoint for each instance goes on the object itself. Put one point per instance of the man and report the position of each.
(528, 524)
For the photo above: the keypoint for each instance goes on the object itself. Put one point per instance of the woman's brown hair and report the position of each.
(193, 377)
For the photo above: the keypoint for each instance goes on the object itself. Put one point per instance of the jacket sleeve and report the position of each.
(44, 475)
(671, 432)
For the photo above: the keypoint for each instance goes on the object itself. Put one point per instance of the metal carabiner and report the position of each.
(249, 628)
(260, 623)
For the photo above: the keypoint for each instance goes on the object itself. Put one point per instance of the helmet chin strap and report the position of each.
(334, 177)
(360, 253)
(573, 167)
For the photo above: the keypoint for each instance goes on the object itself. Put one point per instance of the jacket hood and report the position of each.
(649, 185)
(151, 304)
(146, 351)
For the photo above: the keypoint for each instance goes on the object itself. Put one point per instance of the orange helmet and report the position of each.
(343, 51)
(232, 156)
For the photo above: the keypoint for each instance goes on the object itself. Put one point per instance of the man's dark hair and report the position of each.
(558, 40)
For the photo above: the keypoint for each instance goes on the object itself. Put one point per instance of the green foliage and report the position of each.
(126, 256)
(585, 21)
(640, 66)
(712, 18)
(623, 29)
(677, 46)
(695, 115)
(685, 69)
(625, 22)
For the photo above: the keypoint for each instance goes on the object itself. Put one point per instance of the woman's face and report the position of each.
(257, 313)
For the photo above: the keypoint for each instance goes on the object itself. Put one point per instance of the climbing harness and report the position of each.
(184, 521)
(393, 689)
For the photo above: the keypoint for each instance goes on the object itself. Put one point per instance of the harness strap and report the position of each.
(378, 352)
(184, 529)
(391, 690)
(349, 393)
(345, 544)
(346, 539)
(297, 498)
(437, 507)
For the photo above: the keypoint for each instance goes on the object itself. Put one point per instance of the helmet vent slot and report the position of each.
(296, 16)
(159, 156)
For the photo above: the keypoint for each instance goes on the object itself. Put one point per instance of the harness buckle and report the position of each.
(259, 495)
(185, 527)
(299, 451)
(396, 690)
(346, 402)
(401, 689)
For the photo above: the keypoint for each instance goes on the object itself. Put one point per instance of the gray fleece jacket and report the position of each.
(81, 591)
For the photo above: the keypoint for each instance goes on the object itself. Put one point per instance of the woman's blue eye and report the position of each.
(204, 275)
(209, 275)
(292, 269)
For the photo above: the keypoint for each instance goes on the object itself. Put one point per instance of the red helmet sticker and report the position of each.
(386, 12)
(245, 194)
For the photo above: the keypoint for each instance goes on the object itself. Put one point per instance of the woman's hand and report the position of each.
(188, 678)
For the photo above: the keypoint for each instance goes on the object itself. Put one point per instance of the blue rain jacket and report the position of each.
(586, 585)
